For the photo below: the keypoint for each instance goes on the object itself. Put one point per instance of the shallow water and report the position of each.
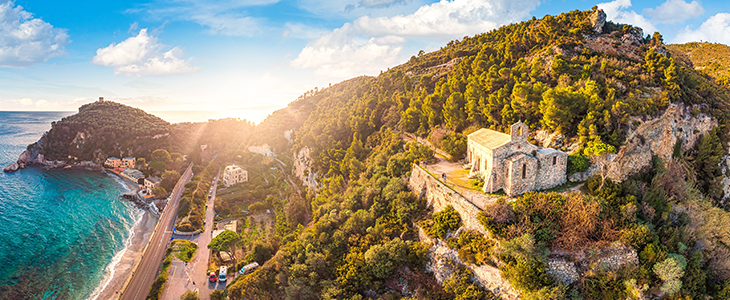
(59, 229)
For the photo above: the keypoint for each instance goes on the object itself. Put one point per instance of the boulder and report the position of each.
(11, 167)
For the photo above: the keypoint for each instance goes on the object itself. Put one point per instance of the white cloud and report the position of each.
(142, 56)
(29, 102)
(715, 29)
(370, 44)
(675, 11)
(616, 11)
(27, 41)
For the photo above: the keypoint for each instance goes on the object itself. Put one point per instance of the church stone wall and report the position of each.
(439, 196)
(552, 175)
(517, 185)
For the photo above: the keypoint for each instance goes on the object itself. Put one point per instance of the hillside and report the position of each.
(590, 84)
(102, 129)
(707, 58)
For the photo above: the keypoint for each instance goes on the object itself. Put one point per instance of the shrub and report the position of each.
(577, 163)
(445, 221)
(496, 217)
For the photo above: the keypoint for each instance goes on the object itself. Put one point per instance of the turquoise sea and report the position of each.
(60, 230)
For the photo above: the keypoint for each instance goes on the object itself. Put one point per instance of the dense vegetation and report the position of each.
(356, 236)
(553, 74)
(103, 129)
(709, 59)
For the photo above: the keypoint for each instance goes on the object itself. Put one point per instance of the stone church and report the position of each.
(510, 163)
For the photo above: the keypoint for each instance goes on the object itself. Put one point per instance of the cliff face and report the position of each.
(659, 137)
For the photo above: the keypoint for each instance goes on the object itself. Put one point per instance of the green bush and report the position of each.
(445, 221)
(577, 163)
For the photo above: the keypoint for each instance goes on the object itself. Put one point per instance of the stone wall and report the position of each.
(439, 196)
(550, 175)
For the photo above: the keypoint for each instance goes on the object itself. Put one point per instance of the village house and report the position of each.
(234, 174)
(511, 163)
(133, 175)
(113, 162)
(151, 183)
(128, 162)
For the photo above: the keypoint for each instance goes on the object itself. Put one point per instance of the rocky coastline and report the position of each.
(33, 157)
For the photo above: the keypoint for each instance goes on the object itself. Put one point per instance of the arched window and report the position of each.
(554, 160)
(519, 131)
(524, 171)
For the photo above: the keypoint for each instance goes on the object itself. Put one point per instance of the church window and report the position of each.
(519, 131)
(524, 171)
(554, 160)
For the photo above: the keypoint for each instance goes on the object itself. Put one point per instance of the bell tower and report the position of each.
(518, 131)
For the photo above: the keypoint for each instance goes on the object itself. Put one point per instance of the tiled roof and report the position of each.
(489, 138)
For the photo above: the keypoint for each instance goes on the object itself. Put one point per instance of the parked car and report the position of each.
(248, 268)
(212, 277)
(222, 274)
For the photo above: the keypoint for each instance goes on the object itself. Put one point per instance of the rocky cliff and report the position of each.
(658, 137)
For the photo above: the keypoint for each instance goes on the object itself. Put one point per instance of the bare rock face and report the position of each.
(659, 137)
(598, 19)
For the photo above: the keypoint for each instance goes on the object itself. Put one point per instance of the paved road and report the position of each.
(146, 273)
(194, 275)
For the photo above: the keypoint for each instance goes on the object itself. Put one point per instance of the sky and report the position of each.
(246, 58)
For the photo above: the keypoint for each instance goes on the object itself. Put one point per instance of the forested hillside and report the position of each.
(571, 74)
(102, 129)
(710, 59)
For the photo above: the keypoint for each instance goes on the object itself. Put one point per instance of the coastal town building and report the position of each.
(151, 183)
(133, 175)
(113, 162)
(511, 163)
(128, 162)
(234, 174)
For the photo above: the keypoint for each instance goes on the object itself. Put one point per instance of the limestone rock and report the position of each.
(598, 19)
(562, 270)
(658, 137)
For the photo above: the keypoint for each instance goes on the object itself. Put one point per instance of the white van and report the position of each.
(222, 274)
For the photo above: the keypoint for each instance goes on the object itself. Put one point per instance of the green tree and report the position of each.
(600, 151)
(218, 295)
(169, 179)
(190, 295)
(161, 155)
(160, 192)
(562, 107)
(224, 241)
(444, 221)
(141, 163)
(454, 114)
(157, 166)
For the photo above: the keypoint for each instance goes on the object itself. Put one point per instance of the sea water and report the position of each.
(60, 230)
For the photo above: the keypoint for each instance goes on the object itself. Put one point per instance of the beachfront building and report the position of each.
(133, 175)
(511, 163)
(151, 183)
(128, 162)
(234, 174)
(113, 162)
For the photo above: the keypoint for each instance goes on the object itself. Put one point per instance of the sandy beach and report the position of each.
(121, 271)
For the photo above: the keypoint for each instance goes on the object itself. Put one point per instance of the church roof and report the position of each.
(489, 138)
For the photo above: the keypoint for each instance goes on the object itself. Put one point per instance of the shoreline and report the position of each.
(119, 269)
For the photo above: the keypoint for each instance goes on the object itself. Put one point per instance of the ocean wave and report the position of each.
(110, 268)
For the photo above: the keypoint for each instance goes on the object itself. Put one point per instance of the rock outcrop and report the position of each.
(598, 19)
(30, 156)
(658, 137)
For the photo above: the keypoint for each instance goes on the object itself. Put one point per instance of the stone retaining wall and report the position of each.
(182, 233)
(438, 195)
